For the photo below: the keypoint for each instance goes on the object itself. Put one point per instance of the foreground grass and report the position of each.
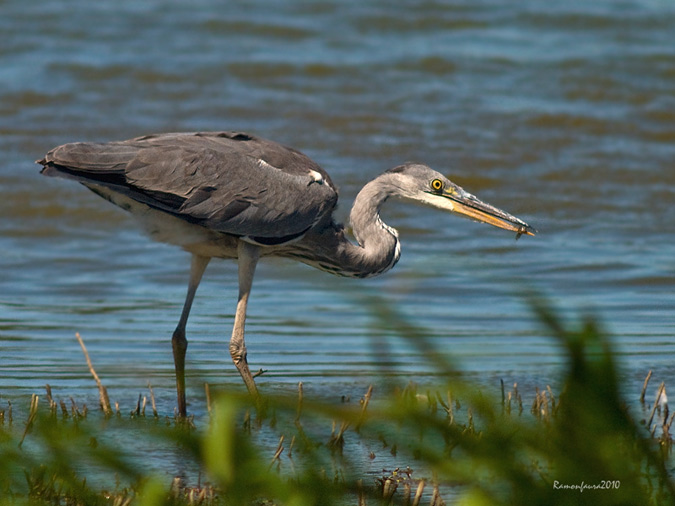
(579, 447)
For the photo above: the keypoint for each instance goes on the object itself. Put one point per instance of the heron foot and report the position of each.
(238, 353)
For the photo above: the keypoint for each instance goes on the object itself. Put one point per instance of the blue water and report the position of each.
(562, 114)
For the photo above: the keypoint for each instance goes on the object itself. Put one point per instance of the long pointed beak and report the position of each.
(472, 207)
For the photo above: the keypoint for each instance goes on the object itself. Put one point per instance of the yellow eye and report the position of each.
(437, 185)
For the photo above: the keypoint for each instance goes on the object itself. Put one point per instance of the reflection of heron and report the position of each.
(233, 195)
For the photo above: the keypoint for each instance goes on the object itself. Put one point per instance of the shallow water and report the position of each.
(560, 114)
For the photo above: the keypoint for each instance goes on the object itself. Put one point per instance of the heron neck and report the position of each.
(327, 247)
(378, 247)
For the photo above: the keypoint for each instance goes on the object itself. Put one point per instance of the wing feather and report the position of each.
(226, 181)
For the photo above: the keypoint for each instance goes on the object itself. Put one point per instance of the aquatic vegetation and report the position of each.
(457, 443)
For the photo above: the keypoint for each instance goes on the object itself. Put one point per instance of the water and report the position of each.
(562, 114)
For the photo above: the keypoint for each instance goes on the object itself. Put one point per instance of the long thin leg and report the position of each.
(178, 341)
(248, 258)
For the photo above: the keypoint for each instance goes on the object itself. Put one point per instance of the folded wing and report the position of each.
(229, 182)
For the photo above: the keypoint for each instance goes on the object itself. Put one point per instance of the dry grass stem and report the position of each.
(31, 417)
(407, 493)
(360, 493)
(74, 410)
(259, 373)
(290, 448)
(660, 392)
(64, 408)
(552, 398)
(137, 411)
(53, 407)
(388, 489)
(337, 441)
(436, 499)
(364, 406)
(418, 493)
(102, 392)
(152, 402)
(518, 398)
(277, 454)
(644, 386)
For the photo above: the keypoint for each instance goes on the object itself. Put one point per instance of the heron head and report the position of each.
(424, 185)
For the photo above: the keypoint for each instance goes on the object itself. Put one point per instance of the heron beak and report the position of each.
(471, 207)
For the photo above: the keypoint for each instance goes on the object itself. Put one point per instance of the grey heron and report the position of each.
(235, 195)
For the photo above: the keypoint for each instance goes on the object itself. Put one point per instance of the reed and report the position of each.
(457, 442)
(103, 393)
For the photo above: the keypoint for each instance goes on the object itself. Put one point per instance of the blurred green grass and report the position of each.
(581, 446)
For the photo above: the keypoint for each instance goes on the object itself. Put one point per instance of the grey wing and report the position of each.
(229, 182)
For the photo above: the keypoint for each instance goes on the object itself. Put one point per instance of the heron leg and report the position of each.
(178, 341)
(248, 258)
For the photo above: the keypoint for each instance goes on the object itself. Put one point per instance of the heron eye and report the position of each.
(437, 185)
